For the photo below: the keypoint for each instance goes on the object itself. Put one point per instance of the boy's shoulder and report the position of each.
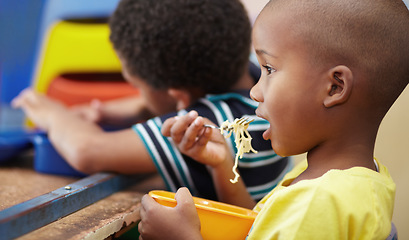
(356, 183)
(349, 201)
(354, 188)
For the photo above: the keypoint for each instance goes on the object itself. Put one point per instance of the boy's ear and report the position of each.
(182, 97)
(340, 84)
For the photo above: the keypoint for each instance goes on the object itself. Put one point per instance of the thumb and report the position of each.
(186, 207)
(183, 197)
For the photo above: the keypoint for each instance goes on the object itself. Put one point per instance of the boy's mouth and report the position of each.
(258, 113)
(266, 133)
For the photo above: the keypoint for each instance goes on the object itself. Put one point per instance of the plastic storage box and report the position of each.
(47, 159)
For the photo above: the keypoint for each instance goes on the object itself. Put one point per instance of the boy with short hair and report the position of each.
(182, 55)
(331, 70)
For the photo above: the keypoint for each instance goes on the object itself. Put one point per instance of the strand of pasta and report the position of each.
(242, 141)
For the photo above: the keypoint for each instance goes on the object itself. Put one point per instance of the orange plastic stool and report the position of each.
(79, 88)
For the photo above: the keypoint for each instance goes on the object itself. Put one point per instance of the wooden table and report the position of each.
(107, 218)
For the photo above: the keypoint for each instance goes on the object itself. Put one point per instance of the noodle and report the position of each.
(242, 140)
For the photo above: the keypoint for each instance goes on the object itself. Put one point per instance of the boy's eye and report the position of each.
(269, 69)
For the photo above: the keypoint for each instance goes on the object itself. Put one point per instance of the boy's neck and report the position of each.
(323, 159)
(245, 82)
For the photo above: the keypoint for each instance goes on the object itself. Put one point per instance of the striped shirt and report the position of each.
(260, 172)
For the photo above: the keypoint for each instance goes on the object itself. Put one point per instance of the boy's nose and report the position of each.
(255, 93)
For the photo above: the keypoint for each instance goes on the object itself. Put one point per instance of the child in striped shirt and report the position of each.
(182, 56)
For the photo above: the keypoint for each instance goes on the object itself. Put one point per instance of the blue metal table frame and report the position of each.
(30, 215)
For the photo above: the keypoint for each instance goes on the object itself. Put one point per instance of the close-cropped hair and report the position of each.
(202, 44)
(370, 36)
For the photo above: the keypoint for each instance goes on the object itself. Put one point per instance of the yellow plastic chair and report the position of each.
(75, 46)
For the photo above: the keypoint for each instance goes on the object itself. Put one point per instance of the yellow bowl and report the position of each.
(218, 220)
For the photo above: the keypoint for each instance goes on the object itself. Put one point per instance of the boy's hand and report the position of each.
(209, 147)
(121, 111)
(91, 111)
(39, 108)
(160, 222)
(205, 145)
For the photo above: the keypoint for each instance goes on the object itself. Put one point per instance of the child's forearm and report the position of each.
(125, 109)
(83, 144)
(232, 193)
(74, 139)
(90, 149)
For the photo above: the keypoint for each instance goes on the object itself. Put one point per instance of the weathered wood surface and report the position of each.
(103, 219)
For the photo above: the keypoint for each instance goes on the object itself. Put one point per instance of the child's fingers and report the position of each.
(167, 125)
(179, 128)
(147, 203)
(22, 98)
(193, 132)
(16, 102)
(96, 104)
(148, 207)
(204, 137)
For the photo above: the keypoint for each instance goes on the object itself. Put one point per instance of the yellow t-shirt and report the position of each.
(356, 203)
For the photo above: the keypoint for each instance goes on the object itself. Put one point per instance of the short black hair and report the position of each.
(201, 44)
